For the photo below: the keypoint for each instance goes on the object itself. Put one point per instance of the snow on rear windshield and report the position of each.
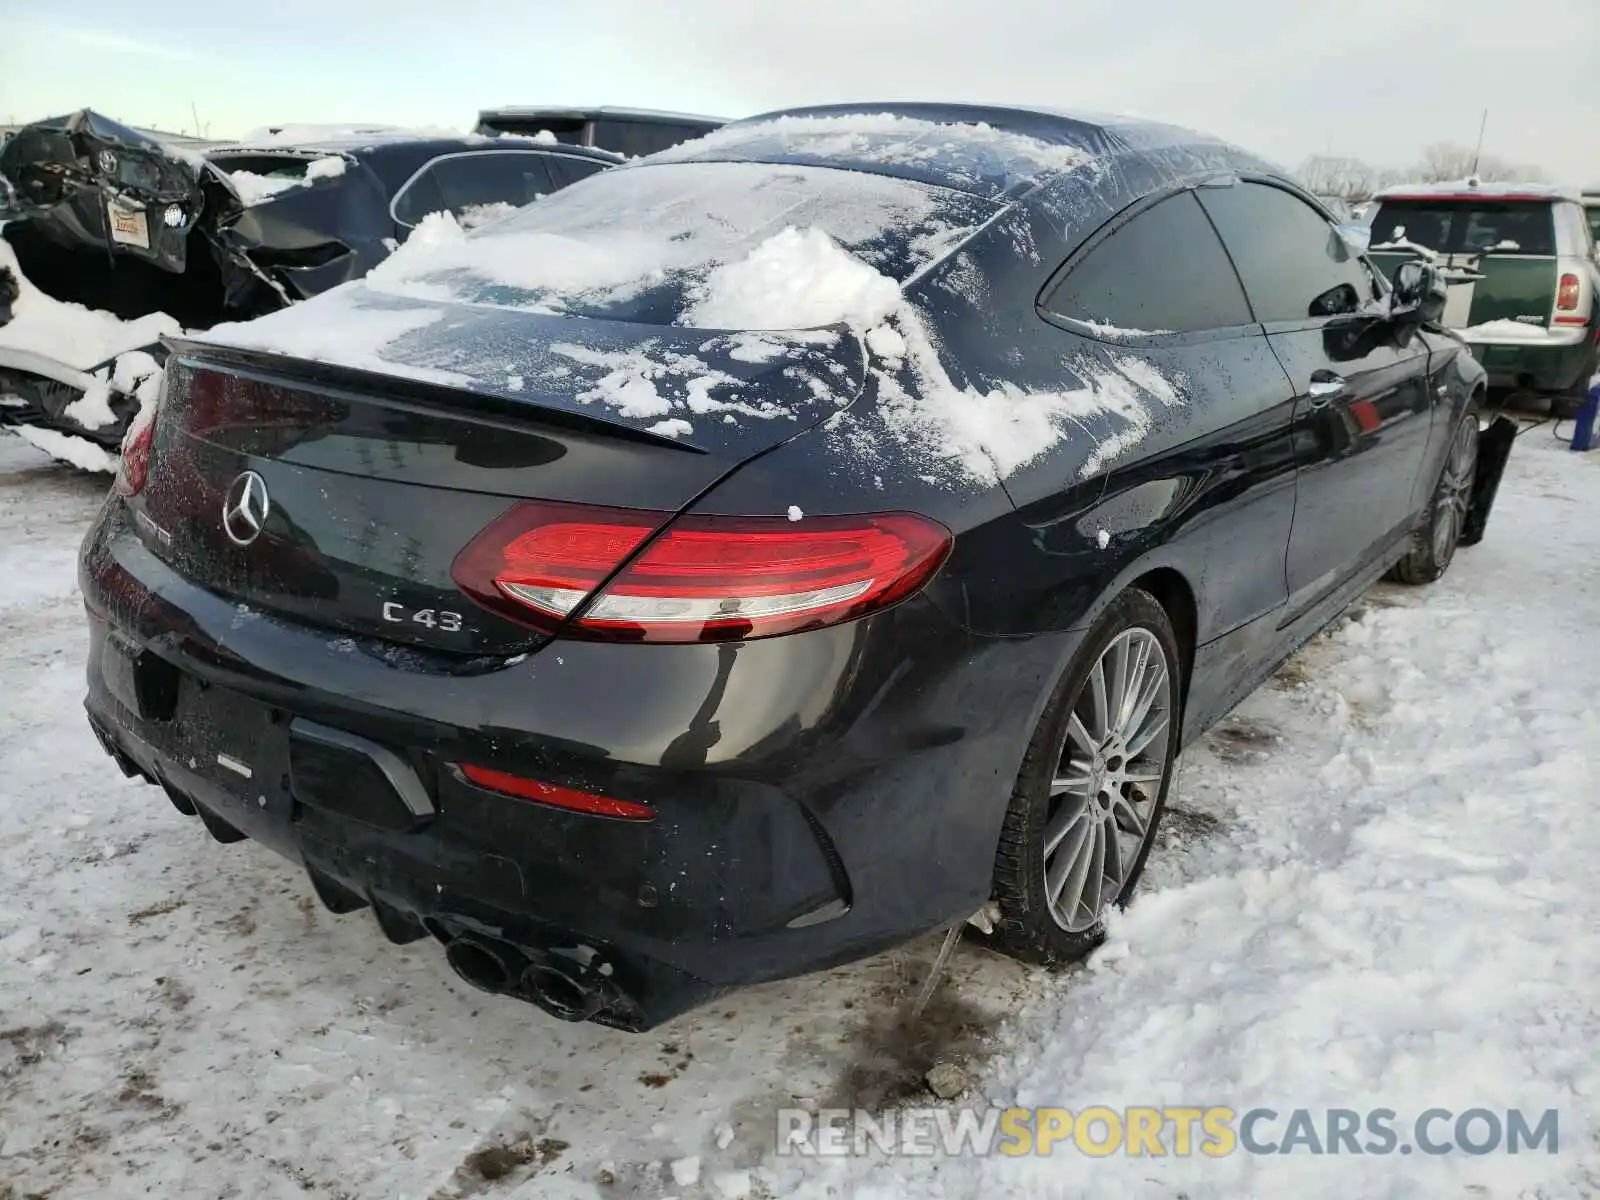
(638, 243)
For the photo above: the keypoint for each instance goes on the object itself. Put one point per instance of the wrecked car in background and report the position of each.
(163, 235)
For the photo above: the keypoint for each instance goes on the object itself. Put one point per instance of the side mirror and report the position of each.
(1419, 294)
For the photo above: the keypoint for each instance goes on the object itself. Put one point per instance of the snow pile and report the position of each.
(476, 216)
(796, 279)
(1505, 331)
(77, 451)
(255, 189)
(134, 373)
(330, 167)
(70, 334)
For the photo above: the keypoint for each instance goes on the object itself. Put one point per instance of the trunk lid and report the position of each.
(359, 489)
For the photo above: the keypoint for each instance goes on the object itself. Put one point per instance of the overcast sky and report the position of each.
(1378, 79)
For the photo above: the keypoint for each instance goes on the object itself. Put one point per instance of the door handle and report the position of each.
(1325, 385)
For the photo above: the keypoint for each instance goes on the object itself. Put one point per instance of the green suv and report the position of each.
(1522, 270)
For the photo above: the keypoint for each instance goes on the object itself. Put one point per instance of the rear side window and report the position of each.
(1466, 226)
(1294, 263)
(463, 183)
(1573, 235)
(1162, 272)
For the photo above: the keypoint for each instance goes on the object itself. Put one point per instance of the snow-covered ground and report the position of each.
(1376, 890)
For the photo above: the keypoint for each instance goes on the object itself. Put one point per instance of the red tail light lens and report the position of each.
(133, 468)
(1567, 294)
(555, 795)
(703, 579)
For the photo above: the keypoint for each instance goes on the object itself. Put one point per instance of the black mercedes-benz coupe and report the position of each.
(759, 554)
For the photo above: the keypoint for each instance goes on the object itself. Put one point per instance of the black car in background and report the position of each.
(98, 213)
(630, 131)
(640, 623)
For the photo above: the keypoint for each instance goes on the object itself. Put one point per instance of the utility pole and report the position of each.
(1477, 151)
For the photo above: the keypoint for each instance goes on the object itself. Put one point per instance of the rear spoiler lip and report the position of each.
(269, 367)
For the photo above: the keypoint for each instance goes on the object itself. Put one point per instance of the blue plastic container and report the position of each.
(1583, 432)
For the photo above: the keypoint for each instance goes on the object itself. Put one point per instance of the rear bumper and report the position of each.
(818, 797)
(1554, 364)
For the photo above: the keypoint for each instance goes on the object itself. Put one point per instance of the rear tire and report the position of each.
(1440, 533)
(1092, 787)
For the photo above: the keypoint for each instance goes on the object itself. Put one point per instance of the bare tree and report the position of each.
(1351, 179)
(1444, 161)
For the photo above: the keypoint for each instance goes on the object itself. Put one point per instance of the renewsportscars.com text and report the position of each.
(1158, 1131)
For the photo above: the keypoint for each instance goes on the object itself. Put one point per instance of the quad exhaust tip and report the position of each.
(567, 991)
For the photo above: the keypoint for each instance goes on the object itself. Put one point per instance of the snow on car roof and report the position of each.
(965, 152)
(1476, 189)
(988, 150)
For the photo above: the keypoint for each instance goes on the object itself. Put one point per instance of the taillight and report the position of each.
(133, 468)
(1567, 294)
(555, 795)
(702, 579)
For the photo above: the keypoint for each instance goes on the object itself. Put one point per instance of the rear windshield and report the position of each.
(567, 130)
(637, 243)
(1465, 226)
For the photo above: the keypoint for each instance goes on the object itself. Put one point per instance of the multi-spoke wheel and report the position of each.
(1092, 786)
(1437, 538)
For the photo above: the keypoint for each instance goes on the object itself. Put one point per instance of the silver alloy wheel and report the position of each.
(1455, 490)
(1109, 776)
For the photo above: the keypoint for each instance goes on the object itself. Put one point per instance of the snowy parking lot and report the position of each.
(1375, 890)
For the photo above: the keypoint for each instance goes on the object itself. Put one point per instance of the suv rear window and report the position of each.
(568, 130)
(637, 138)
(1466, 226)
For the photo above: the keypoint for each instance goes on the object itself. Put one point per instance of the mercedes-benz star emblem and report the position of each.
(245, 509)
